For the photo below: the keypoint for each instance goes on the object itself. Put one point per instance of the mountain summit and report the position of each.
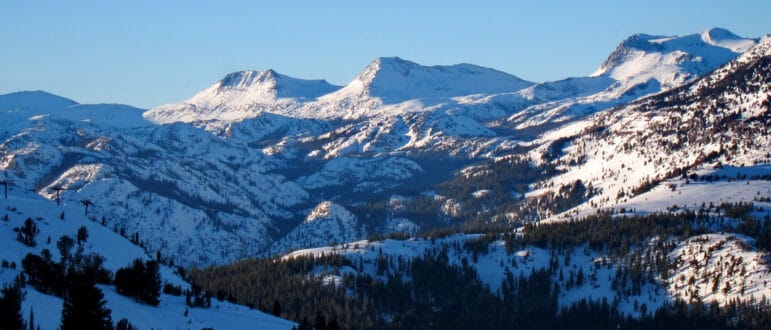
(268, 85)
(726, 39)
(387, 80)
(672, 60)
(394, 79)
(241, 95)
(20, 107)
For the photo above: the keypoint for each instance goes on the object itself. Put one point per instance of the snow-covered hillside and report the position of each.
(185, 191)
(698, 262)
(719, 120)
(672, 60)
(641, 65)
(327, 222)
(17, 108)
(719, 268)
(391, 80)
(56, 221)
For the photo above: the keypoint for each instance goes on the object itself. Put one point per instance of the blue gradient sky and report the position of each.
(145, 53)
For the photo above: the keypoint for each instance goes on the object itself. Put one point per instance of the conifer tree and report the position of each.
(82, 234)
(26, 234)
(10, 307)
(141, 280)
(84, 306)
(276, 308)
(31, 319)
(124, 324)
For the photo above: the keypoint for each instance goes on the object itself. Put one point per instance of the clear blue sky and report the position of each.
(145, 53)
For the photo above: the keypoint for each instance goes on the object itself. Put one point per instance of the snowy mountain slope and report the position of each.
(19, 107)
(327, 222)
(362, 174)
(488, 265)
(393, 80)
(691, 194)
(659, 65)
(641, 65)
(386, 81)
(117, 116)
(449, 109)
(268, 127)
(242, 95)
(726, 39)
(385, 108)
(119, 252)
(568, 88)
(747, 275)
(684, 194)
(672, 59)
(186, 191)
(720, 119)
(722, 268)
(33, 102)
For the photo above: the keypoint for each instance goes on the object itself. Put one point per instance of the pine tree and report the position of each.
(140, 280)
(82, 234)
(276, 308)
(10, 307)
(26, 234)
(124, 324)
(152, 293)
(65, 244)
(321, 322)
(84, 306)
(31, 319)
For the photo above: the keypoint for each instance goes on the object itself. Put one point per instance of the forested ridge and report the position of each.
(432, 291)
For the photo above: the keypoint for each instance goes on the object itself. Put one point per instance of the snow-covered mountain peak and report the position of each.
(727, 39)
(327, 209)
(273, 85)
(671, 60)
(242, 95)
(33, 101)
(244, 79)
(16, 108)
(393, 79)
(262, 87)
(327, 223)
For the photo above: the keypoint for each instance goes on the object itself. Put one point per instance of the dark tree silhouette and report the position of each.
(84, 306)
(26, 234)
(321, 322)
(31, 319)
(10, 307)
(141, 280)
(277, 308)
(124, 324)
(65, 244)
(82, 234)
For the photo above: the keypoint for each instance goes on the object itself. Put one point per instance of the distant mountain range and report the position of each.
(233, 170)
(261, 164)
